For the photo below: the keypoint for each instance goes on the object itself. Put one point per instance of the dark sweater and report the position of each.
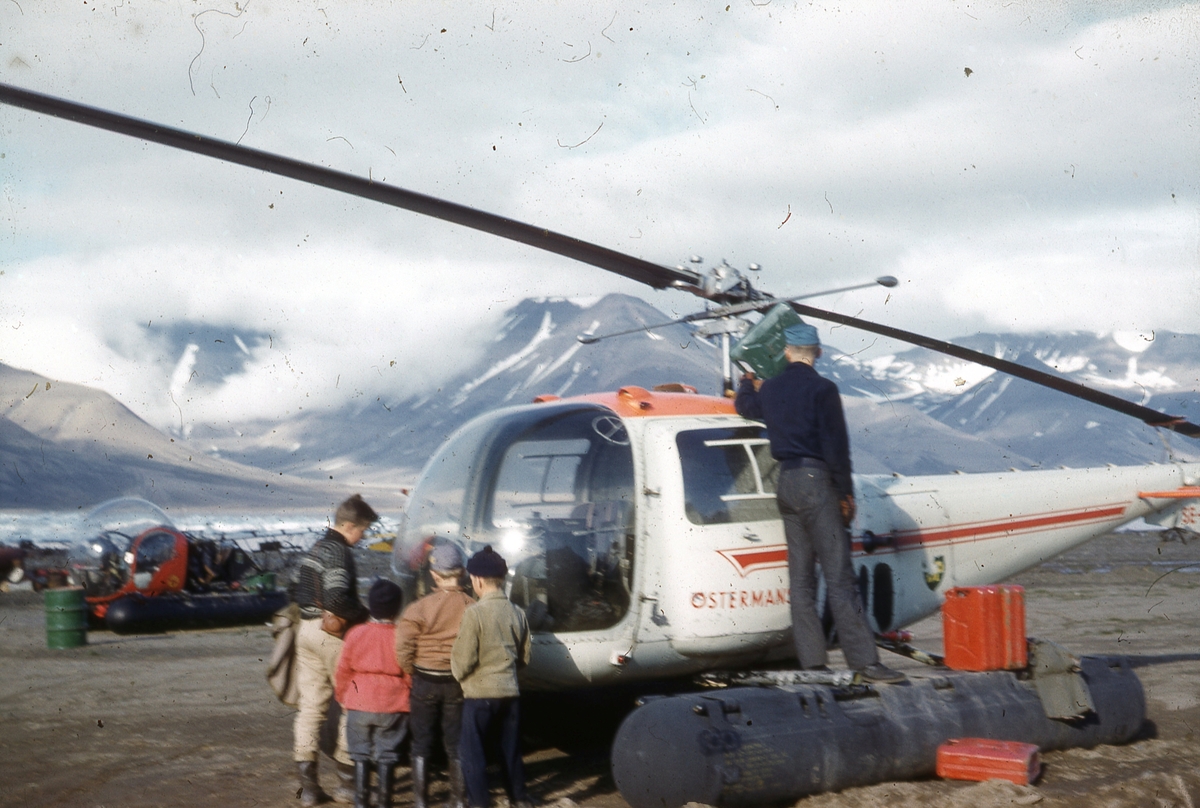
(327, 579)
(803, 414)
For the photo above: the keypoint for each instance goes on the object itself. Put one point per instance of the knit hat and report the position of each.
(487, 563)
(445, 557)
(383, 601)
(801, 334)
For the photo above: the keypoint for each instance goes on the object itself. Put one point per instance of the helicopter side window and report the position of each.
(728, 475)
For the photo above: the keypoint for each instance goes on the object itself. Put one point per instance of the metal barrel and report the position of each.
(66, 617)
(763, 746)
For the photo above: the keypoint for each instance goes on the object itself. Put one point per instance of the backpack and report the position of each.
(281, 670)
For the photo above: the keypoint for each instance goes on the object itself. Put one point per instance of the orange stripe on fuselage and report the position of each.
(747, 560)
(980, 531)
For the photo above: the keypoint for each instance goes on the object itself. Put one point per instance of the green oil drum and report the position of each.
(66, 617)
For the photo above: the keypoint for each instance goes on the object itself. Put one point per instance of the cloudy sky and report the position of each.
(1019, 166)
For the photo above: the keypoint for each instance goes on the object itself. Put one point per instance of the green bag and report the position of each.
(761, 350)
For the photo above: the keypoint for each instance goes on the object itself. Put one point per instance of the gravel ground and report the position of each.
(186, 719)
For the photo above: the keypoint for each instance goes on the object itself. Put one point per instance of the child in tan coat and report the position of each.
(493, 643)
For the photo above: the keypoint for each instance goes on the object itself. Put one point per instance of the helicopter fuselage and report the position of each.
(644, 541)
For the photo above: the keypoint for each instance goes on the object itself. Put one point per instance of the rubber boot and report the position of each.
(311, 794)
(344, 793)
(384, 773)
(420, 782)
(458, 786)
(362, 783)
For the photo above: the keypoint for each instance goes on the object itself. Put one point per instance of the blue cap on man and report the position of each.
(801, 334)
(445, 557)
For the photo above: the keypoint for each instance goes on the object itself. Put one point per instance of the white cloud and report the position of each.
(1055, 187)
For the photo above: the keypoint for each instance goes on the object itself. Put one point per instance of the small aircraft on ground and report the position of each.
(139, 573)
(640, 525)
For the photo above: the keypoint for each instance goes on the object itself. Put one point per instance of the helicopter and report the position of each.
(139, 573)
(640, 525)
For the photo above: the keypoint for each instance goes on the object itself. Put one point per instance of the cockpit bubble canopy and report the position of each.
(551, 488)
(101, 557)
(129, 516)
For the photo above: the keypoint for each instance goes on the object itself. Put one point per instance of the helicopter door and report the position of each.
(729, 568)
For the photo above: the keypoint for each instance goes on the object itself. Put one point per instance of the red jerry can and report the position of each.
(981, 759)
(984, 628)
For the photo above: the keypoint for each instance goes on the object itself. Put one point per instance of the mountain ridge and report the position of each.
(914, 412)
(68, 446)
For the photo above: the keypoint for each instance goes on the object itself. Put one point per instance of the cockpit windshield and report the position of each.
(550, 487)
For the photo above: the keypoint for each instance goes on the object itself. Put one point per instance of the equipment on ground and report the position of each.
(140, 574)
(772, 746)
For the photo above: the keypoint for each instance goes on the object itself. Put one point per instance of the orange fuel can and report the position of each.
(984, 628)
(981, 759)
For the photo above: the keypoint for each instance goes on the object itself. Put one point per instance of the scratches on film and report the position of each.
(580, 143)
(580, 58)
(249, 118)
(203, 40)
(605, 28)
(764, 95)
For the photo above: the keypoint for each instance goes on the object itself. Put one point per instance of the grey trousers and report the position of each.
(812, 522)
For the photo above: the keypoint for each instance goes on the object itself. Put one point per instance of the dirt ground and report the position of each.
(186, 719)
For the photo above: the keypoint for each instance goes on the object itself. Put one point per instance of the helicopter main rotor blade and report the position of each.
(653, 275)
(1149, 416)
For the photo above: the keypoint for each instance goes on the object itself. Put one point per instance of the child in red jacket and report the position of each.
(374, 693)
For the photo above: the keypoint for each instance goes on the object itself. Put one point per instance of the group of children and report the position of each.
(447, 660)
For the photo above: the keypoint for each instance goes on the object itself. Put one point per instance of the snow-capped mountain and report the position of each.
(1158, 371)
(916, 412)
(533, 352)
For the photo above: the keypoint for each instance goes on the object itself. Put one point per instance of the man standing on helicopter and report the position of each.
(326, 590)
(807, 429)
